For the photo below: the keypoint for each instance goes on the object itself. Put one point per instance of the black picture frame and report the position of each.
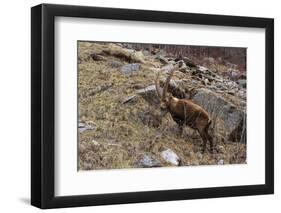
(43, 105)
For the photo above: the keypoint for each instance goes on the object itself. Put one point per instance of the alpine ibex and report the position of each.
(184, 112)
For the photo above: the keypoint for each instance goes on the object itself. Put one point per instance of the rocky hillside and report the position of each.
(119, 118)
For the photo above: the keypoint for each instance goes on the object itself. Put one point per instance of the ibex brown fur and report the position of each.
(184, 112)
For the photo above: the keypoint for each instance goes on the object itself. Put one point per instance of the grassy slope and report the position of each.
(120, 137)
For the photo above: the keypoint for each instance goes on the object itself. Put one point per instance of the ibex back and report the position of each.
(185, 112)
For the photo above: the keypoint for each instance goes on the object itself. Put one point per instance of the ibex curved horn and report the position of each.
(165, 89)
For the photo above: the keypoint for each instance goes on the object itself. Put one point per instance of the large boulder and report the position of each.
(149, 94)
(130, 69)
(229, 120)
(128, 55)
(147, 161)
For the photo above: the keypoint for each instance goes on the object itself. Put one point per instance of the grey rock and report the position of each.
(163, 60)
(182, 67)
(167, 68)
(115, 64)
(96, 143)
(129, 99)
(150, 118)
(220, 85)
(231, 92)
(231, 84)
(178, 88)
(128, 55)
(147, 161)
(206, 81)
(81, 125)
(149, 94)
(181, 63)
(242, 94)
(172, 62)
(171, 157)
(233, 74)
(220, 162)
(161, 52)
(189, 62)
(127, 45)
(137, 57)
(242, 82)
(86, 126)
(100, 88)
(147, 89)
(199, 155)
(232, 118)
(97, 57)
(175, 87)
(146, 53)
(82, 129)
(129, 69)
(202, 69)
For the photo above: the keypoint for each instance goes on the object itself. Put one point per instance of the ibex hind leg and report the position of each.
(204, 138)
(210, 139)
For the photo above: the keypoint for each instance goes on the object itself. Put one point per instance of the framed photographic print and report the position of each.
(139, 106)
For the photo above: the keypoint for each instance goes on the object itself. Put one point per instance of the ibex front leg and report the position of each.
(204, 138)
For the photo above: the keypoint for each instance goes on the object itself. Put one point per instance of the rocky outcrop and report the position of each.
(129, 69)
(149, 94)
(128, 55)
(147, 161)
(231, 119)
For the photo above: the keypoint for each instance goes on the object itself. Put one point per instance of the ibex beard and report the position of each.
(184, 112)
